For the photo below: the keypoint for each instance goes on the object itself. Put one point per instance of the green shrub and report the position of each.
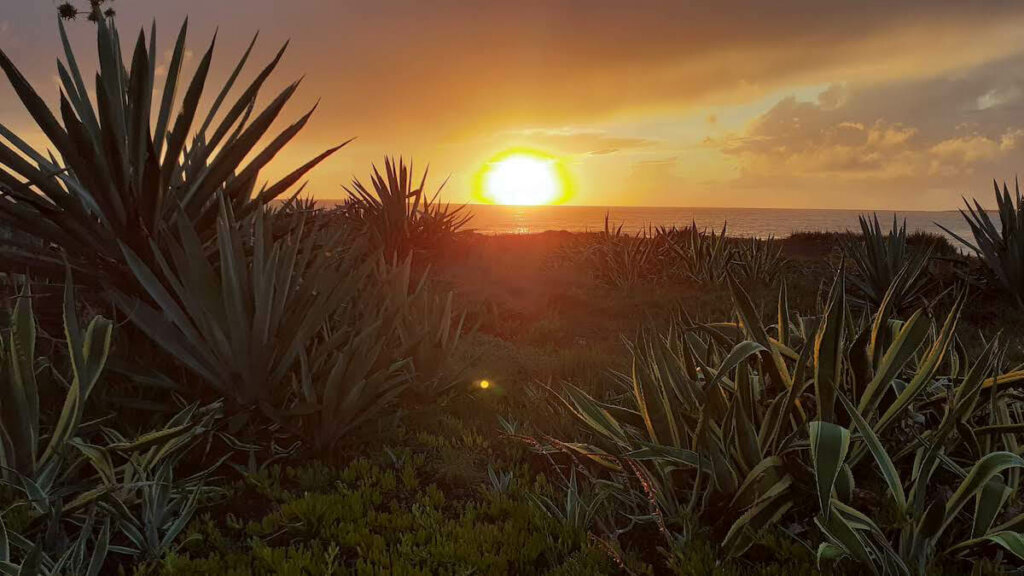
(369, 519)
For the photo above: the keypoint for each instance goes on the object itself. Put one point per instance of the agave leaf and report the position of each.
(748, 448)
(775, 502)
(675, 455)
(5, 547)
(226, 162)
(182, 520)
(245, 101)
(290, 179)
(100, 459)
(989, 503)
(1002, 380)
(828, 352)
(20, 405)
(1013, 542)
(998, 429)
(183, 123)
(829, 445)
(784, 322)
(926, 368)
(882, 459)
(845, 537)
(170, 90)
(154, 438)
(752, 323)
(765, 473)
(85, 111)
(592, 413)
(976, 481)
(99, 553)
(895, 358)
(34, 104)
(740, 353)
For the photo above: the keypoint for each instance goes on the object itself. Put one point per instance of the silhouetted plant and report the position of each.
(884, 258)
(119, 180)
(399, 216)
(1002, 248)
(95, 11)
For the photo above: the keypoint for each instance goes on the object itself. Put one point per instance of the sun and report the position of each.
(523, 179)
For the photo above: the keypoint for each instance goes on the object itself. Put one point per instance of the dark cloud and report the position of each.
(450, 67)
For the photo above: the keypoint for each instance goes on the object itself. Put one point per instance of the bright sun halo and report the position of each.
(523, 180)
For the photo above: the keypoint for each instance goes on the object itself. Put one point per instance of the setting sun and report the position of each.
(523, 179)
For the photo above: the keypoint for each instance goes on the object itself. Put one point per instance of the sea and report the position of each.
(746, 222)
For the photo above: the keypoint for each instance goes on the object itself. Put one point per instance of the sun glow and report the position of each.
(523, 179)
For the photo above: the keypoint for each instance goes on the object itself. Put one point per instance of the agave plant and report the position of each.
(501, 481)
(297, 320)
(395, 337)
(76, 559)
(1000, 248)
(118, 178)
(758, 261)
(724, 421)
(351, 373)
(430, 329)
(241, 317)
(81, 485)
(41, 469)
(702, 256)
(881, 257)
(29, 463)
(399, 215)
(615, 258)
(139, 490)
(579, 508)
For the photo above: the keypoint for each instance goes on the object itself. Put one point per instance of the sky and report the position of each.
(791, 103)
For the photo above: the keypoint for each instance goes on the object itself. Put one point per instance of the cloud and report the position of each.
(802, 137)
(963, 154)
(998, 96)
(451, 69)
(939, 137)
(922, 94)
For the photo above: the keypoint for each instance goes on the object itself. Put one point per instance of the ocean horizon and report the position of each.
(743, 222)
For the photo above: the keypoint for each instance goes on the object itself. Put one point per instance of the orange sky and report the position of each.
(740, 103)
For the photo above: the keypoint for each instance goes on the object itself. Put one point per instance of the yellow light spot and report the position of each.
(485, 384)
(523, 178)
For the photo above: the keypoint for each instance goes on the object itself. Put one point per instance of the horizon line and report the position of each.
(655, 207)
